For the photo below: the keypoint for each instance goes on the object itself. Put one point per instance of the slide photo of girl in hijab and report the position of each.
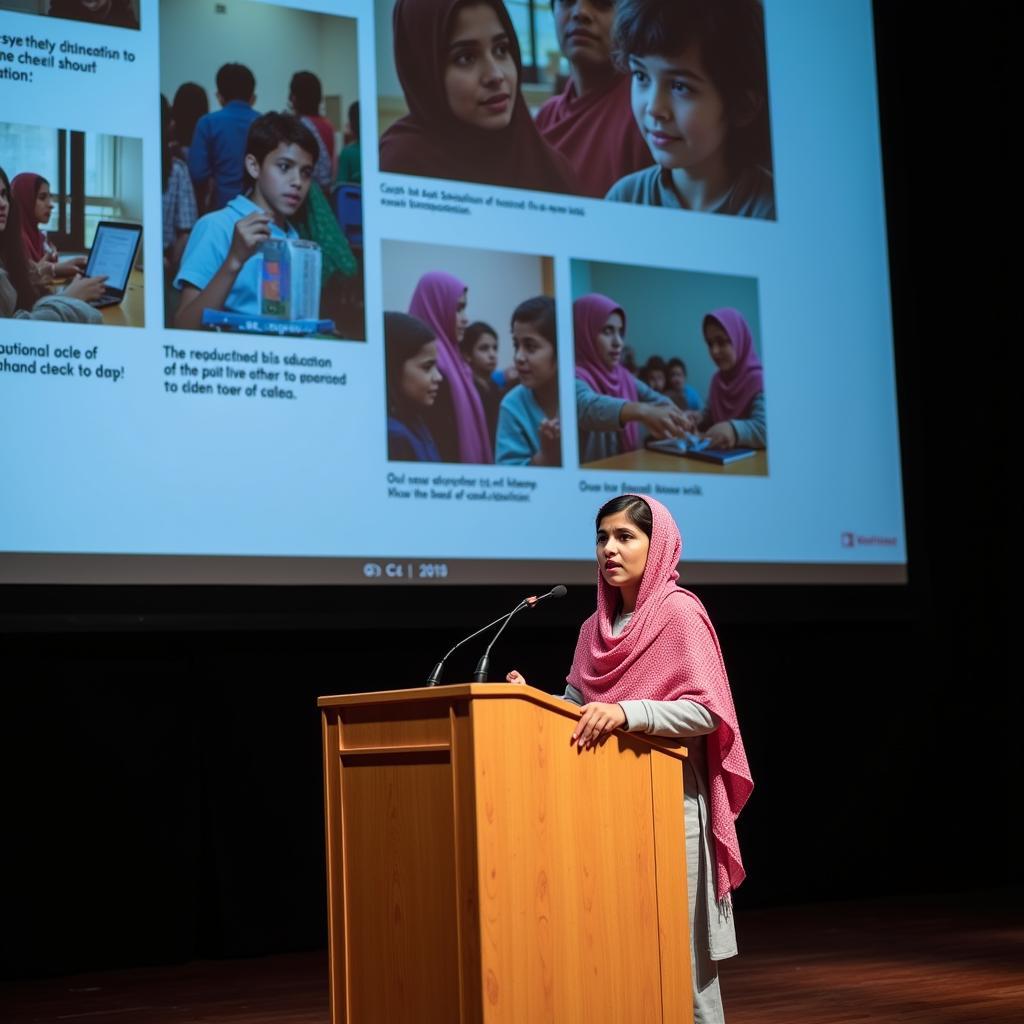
(697, 401)
(251, 144)
(450, 396)
(452, 104)
(115, 13)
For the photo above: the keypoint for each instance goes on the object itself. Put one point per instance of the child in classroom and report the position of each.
(457, 419)
(700, 98)
(611, 404)
(479, 347)
(413, 382)
(461, 72)
(221, 266)
(684, 395)
(734, 416)
(32, 194)
(529, 432)
(215, 155)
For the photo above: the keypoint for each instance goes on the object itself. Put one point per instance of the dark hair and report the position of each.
(268, 131)
(120, 13)
(637, 509)
(353, 118)
(655, 363)
(306, 93)
(404, 336)
(189, 104)
(538, 312)
(676, 361)
(235, 82)
(730, 35)
(472, 334)
(12, 251)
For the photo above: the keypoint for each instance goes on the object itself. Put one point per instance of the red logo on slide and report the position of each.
(846, 539)
(861, 540)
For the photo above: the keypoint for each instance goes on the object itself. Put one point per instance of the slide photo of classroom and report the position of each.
(640, 101)
(115, 13)
(70, 226)
(261, 169)
(471, 355)
(669, 371)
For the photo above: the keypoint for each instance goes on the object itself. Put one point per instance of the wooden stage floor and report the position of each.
(959, 961)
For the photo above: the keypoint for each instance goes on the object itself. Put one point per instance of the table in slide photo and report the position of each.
(647, 461)
(131, 311)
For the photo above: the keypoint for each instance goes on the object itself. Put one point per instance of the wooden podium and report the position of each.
(481, 869)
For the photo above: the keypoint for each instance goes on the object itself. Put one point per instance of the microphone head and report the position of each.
(558, 591)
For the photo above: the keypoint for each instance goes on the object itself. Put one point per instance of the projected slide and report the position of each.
(422, 283)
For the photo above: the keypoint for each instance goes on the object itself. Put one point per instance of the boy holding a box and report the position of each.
(221, 265)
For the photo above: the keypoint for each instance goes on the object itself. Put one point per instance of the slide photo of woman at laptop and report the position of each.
(71, 242)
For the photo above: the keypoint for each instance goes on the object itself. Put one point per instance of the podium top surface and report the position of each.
(485, 691)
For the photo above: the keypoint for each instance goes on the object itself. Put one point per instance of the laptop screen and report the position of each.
(113, 252)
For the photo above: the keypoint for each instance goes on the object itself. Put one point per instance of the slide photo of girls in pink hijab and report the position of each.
(651, 102)
(669, 371)
(471, 356)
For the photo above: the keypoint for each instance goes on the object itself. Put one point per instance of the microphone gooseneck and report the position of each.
(484, 664)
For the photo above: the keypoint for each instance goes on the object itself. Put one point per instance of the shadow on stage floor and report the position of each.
(949, 960)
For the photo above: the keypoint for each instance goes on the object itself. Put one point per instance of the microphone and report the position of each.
(484, 664)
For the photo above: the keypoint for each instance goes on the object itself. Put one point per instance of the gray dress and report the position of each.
(711, 923)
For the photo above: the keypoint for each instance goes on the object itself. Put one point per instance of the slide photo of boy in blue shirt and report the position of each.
(222, 264)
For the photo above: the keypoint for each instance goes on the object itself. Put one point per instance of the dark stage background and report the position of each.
(160, 751)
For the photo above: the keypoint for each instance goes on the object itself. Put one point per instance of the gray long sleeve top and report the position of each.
(751, 430)
(599, 418)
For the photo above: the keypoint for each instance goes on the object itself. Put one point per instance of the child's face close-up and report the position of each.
(484, 358)
(679, 110)
(421, 377)
(720, 347)
(44, 204)
(480, 78)
(461, 319)
(611, 340)
(535, 357)
(584, 30)
(283, 179)
(677, 378)
(656, 379)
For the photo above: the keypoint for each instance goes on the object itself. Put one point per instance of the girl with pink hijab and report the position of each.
(612, 406)
(457, 420)
(734, 415)
(648, 660)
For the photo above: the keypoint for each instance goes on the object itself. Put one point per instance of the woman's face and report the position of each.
(535, 356)
(611, 339)
(420, 377)
(720, 348)
(44, 203)
(461, 320)
(5, 204)
(480, 78)
(484, 358)
(621, 550)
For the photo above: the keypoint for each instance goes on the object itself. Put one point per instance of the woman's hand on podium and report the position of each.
(597, 720)
(515, 677)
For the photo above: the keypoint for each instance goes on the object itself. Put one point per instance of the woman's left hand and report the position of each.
(597, 720)
(722, 435)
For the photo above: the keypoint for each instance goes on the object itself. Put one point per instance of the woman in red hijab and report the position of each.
(648, 660)
(460, 68)
(35, 204)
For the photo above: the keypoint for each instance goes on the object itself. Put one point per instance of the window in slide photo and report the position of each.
(471, 356)
(70, 226)
(115, 13)
(652, 102)
(261, 170)
(669, 371)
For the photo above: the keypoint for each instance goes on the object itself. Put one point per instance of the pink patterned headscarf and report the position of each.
(669, 651)
(589, 314)
(434, 302)
(732, 391)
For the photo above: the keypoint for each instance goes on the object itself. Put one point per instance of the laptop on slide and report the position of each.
(113, 253)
